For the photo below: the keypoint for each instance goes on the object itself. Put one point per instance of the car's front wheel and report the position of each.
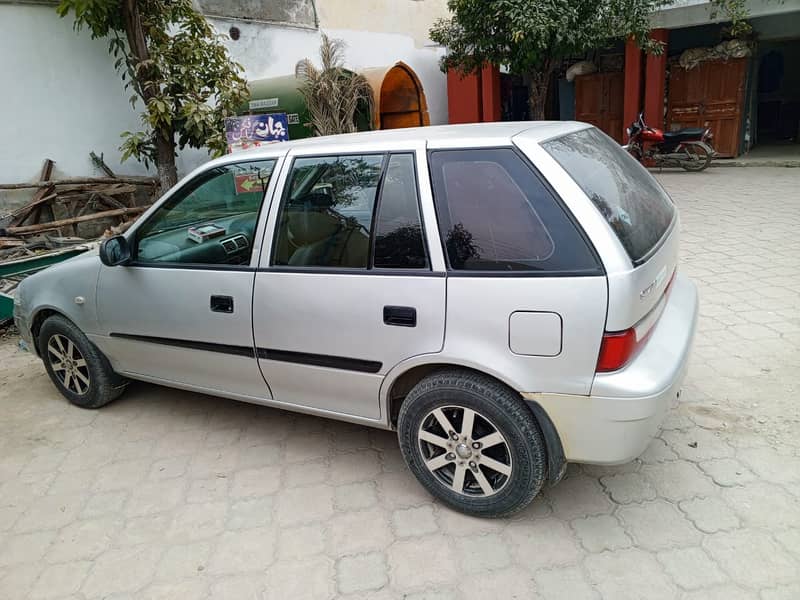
(472, 443)
(77, 368)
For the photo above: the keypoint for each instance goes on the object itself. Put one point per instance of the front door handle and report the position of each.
(401, 316)
(223, 304)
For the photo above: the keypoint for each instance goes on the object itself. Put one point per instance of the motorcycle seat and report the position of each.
(684, 135)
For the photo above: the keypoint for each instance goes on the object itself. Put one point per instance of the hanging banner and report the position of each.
(251, 131)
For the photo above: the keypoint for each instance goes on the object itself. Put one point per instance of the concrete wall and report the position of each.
(61, 97)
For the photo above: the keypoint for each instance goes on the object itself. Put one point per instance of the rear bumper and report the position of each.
(625, 409)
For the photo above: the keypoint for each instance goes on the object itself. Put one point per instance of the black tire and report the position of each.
(94, 383)
(498, 408)
(702, 157)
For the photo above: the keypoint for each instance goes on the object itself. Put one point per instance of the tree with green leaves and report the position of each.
(531, 37)
(176, 64)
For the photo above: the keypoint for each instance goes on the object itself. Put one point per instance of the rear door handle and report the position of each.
(223, 304)
(401, 316)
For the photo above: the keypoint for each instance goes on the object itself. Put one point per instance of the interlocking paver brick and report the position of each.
(678, 480)
(625, 488)
(658, 525)
(181, 562)
(543, 543)
(564, 582)
(58, 580)
(301, 542)
(302, 505)
(482, 585)
(578, 496)
(353, 496)
(170, 494)
(727, 472)
(248, 550)
(615, 578)
(764, 504)
(709, 514)
(423, 561)
(360, 531)
(600, 533)
(84, 539)
(415, 521)
(361, 572)
(302, 580)
(691, 568)
(480, 553)
(751, 558)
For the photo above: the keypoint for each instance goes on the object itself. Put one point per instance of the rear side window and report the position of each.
(495, 214)
(399, 243)
(631, 200)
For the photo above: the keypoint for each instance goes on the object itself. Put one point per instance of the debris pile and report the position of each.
(71, 211)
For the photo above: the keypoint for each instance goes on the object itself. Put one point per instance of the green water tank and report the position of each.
(282, 95)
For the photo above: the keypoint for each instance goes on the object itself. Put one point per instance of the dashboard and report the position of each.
(233, 246)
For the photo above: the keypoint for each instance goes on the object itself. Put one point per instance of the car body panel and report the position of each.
(624, 412)
(289, 327)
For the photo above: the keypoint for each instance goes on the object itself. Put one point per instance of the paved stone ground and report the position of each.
(166, 494)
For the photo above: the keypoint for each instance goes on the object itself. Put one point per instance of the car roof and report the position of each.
(435, 136)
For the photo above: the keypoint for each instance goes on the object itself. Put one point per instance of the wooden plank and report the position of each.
(64, 222)
(47, 169)
(79, 180)
(41, 196)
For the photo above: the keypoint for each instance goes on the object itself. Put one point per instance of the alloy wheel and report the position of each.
(465, 451)
(68, 364)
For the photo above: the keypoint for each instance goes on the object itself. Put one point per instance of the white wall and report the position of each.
(270, 51)
(61, 97)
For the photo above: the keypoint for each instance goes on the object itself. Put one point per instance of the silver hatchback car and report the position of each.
(505, 296)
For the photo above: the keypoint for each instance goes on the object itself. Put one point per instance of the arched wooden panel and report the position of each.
(402, 99)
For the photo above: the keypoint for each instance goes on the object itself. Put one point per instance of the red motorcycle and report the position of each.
(689, 148)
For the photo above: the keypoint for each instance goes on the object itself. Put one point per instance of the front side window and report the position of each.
(495, 214)
(212, 220)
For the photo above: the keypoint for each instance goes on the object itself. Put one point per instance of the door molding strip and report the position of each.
(304, 358)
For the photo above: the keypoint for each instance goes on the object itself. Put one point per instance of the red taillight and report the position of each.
(616, 350)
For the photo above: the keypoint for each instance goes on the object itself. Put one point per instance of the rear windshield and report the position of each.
(634, 204)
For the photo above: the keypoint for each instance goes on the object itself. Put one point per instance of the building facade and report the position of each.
(747, 92)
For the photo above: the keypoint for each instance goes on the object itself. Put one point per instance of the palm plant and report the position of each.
(332, 93)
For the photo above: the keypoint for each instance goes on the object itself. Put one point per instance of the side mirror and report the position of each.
(115, 251)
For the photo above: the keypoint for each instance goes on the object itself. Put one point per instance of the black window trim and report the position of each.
(599, 269)
(370, 269)
(205, 266)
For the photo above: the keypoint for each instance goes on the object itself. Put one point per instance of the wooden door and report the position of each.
(402, 101)
(598, 100)
(710, 95)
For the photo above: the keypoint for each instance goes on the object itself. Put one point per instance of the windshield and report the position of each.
(631, 200)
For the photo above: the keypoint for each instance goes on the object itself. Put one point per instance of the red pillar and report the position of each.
(490, 93)
(655, 81)
(632, 101)
(463, 97)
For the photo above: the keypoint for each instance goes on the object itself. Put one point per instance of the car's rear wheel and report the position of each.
(77, 368)
(472, 443)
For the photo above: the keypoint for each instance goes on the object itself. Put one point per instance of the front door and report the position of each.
(709, 95)
(181, 312)
(345, 289)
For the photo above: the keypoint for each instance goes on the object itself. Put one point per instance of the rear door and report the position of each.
(345, 288)
(526, 295)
